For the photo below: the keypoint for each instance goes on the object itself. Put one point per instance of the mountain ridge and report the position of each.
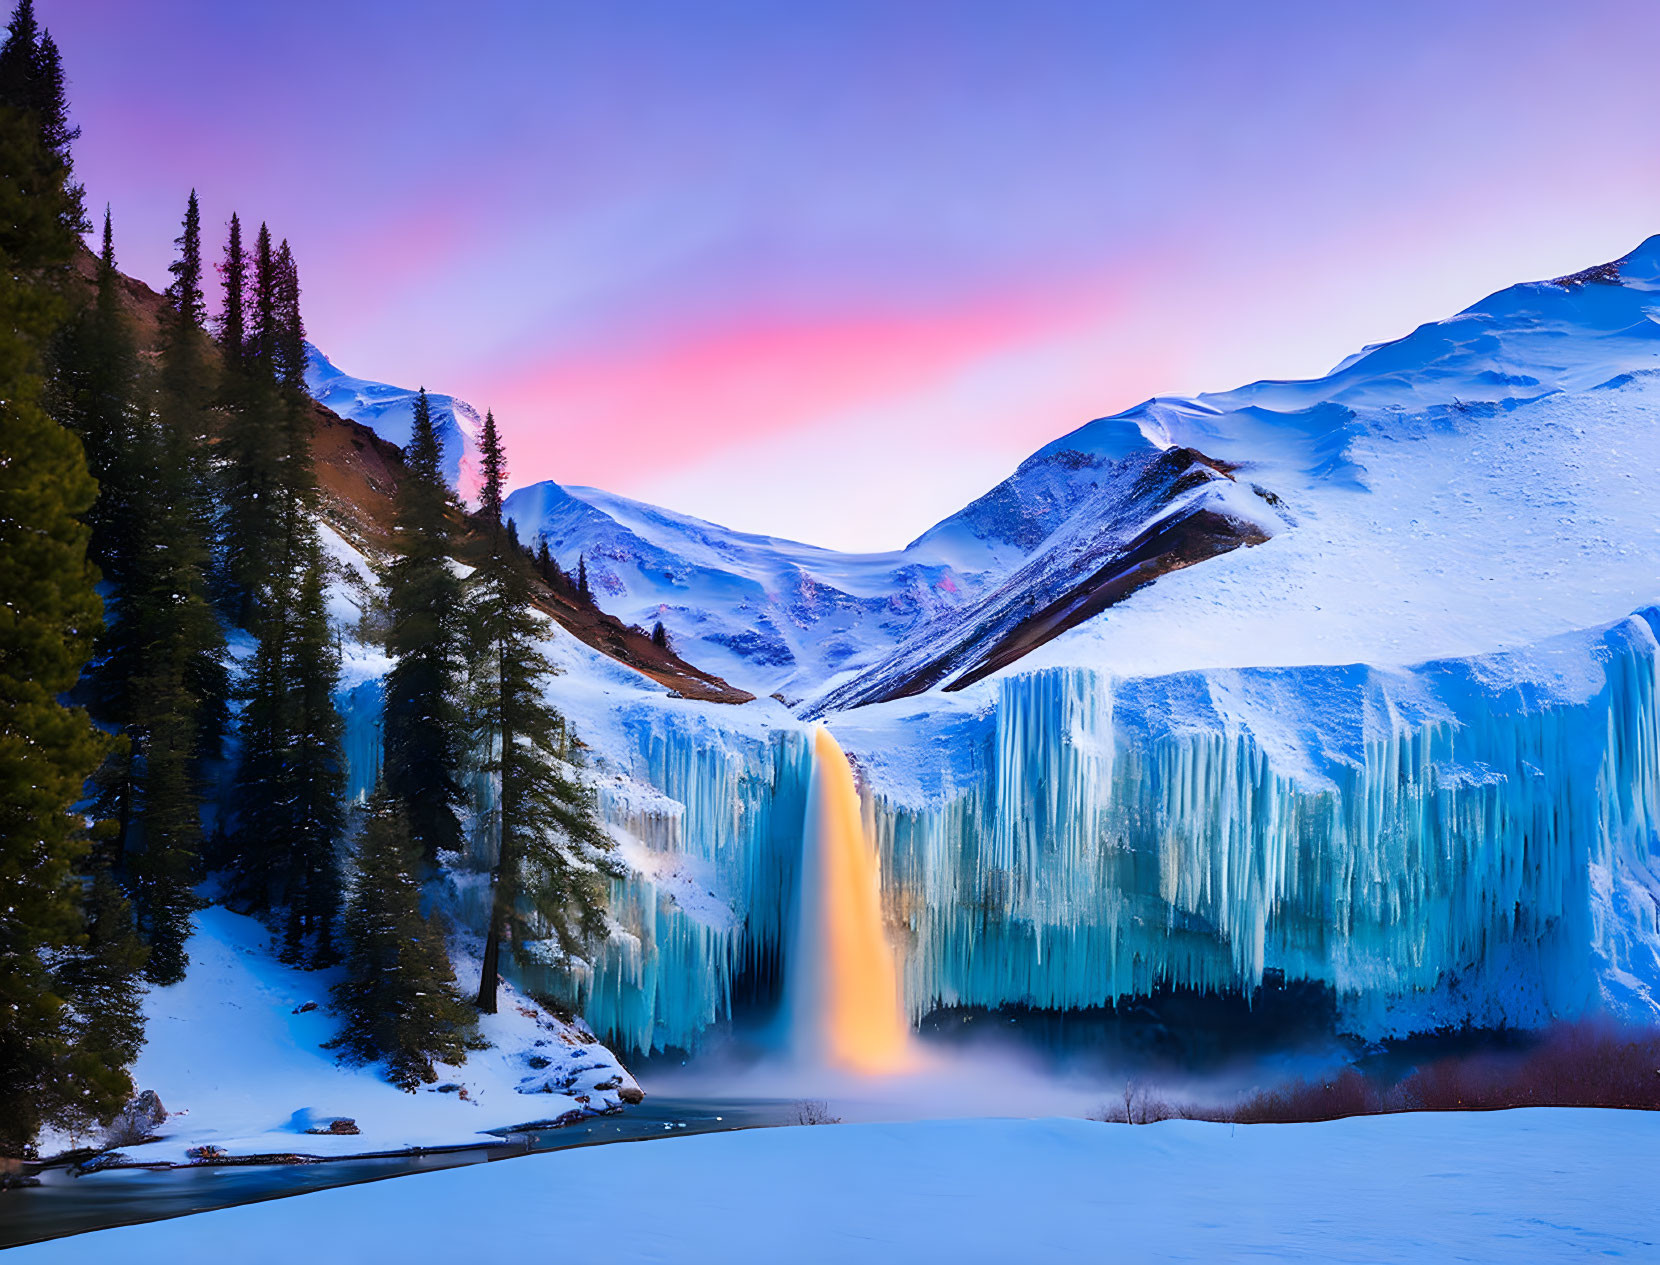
(781, 616)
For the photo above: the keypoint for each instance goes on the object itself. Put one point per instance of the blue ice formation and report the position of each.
(1470, 841)
(1465, 842)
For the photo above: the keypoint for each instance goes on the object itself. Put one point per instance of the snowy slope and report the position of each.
(1551, 1184)
(1485, 482)
(241, 1066)
(1149, 513)
(390, 411)
(767, 614)
(763, 613)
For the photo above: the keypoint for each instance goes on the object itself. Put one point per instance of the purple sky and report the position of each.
(831, 270)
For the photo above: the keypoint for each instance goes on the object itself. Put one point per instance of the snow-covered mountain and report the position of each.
(1483, 483)
(1465, 488)
(1354, 681)
(767, 614)
(390, 412)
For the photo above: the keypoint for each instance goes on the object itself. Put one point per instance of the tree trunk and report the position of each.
(492, 962)
(499, 881)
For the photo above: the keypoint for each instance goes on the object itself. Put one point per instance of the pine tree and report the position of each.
(185, 298)
(233, 314)
(660, 636)
(544, 560)
(165, 867)
(263, 444)
(552, 856)
(159, 678)
(265, 332)
(582, 588)
(99, 974)
(176, 703)
(256, 851)
(290, 328)
(315, 774)
(94, 392)
(19, 86)
(422, 722)
(398, 996)
(493, 462)
(186, 408)
(51, 612)
(297, 475)
(291, 778)
(31, 81)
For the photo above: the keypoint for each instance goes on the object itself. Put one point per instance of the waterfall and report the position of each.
(844, 1005)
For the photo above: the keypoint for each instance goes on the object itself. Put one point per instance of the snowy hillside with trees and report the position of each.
(240, 1056)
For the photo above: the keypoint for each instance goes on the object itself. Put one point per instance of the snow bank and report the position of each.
(1549, 1184)
(237, 1060)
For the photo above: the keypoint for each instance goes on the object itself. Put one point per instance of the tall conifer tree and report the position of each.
(266, 450)
(398, 998)
(94, 392)
(289, 335)
(423, 724)
(159, 676)
(31, 81)
(493, 460)
(233, 278)
(314, 773)
(264, 332)
(47, 750)
(186, 403)
(292, 776)
(552, 856)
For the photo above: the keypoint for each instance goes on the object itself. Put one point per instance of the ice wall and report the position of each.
(713, 857)
(708, 822)
(1468, 841)
(360, 708)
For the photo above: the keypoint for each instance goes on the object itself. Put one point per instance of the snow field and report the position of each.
(1540, 1185)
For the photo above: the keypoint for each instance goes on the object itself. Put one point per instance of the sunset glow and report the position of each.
(689, 255)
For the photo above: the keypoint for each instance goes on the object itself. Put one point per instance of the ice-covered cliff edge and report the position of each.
(1463, 841)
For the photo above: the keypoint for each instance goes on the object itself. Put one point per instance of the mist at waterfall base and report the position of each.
(841, 1035)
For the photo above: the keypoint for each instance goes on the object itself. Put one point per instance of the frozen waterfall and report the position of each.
(1471, 841)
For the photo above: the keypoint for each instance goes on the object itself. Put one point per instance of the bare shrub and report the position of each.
(1586, 1064)
(1573, 1065)
(1346, 1094)
(1139, 1105)
(814, 1111)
